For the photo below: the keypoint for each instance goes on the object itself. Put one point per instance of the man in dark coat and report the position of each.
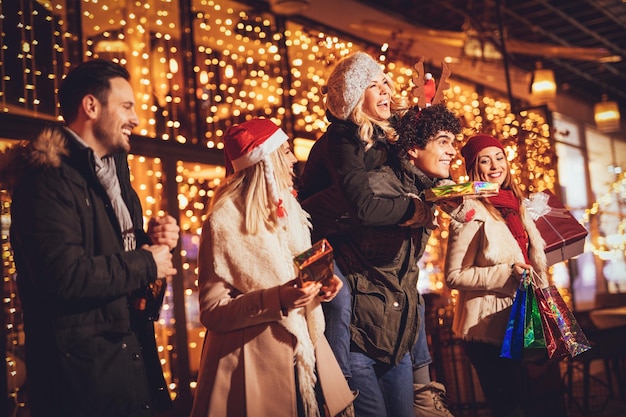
(84, 263)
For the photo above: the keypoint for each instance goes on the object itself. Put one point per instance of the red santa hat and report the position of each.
(252, 142)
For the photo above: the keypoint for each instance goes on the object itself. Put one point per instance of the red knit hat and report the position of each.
(475, 144)
(252, 142)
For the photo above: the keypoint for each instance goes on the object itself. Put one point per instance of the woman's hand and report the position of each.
(450, 204)
(330, 288)
(518, 271)
(292, 297)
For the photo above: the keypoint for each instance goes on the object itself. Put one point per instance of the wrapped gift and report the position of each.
(564, 235)
(315, 264)
(464, 189)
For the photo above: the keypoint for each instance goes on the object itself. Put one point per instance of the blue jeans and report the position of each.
(384, 390)
(420, 354)
(338, 313)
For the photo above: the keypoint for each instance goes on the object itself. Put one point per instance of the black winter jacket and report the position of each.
(87, 353)
(378, 258)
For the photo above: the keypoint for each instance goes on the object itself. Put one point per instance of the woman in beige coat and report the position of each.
(487, 255)
(264, 353)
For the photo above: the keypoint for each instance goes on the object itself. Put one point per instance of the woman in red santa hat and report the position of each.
(264, 353)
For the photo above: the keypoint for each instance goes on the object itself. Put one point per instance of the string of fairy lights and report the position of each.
(239, 72)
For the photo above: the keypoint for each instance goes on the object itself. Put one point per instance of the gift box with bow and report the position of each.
(564, 235)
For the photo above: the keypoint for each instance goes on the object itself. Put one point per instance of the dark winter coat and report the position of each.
(83, 350)
(378, 258)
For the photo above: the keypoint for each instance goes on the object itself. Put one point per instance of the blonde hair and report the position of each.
(367, 123)
(249, 189)
(509, 183)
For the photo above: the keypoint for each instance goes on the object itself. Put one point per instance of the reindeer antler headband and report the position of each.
(424, 97)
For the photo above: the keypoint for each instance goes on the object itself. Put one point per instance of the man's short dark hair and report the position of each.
(90, 77)
(417, 127)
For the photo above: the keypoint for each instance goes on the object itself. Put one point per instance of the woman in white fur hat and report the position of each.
(264, 353)
(374, 253)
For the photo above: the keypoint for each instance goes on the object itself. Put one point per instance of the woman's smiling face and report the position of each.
(492, 165)
(377, 98)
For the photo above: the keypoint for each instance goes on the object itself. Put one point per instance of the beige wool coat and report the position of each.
(480, 253)
(249, 352)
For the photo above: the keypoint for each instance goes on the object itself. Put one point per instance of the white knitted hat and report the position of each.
(348, 81)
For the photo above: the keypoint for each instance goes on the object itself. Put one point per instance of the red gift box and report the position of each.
(564, 235)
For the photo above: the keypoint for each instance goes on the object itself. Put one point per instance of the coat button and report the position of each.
(124, 345)
(254, 310)
(135, 356)
(146, 406)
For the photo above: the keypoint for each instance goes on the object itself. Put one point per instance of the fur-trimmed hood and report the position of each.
(47, 150)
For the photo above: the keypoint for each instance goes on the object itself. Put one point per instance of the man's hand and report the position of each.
(163, 230)
(163, 259)
(424, 215)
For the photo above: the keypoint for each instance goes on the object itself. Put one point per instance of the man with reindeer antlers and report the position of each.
(362, 186)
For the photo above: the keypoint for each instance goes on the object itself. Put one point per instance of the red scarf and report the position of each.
(508, 205)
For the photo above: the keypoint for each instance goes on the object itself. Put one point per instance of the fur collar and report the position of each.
(475, 210)
(47, 150)
(264, 260)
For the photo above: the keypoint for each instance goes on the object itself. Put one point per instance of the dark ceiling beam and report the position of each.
(564, 64)
(573, 69)
(612, 9)
(586, 30)
(583, 74)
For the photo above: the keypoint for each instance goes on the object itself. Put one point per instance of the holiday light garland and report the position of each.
(239, 72)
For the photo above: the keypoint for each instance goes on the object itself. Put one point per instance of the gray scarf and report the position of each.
(107, 174)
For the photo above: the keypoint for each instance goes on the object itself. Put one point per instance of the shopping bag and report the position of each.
(555, 345)
(534, 339)
(533, 328)
(569, 332)
(513, 342)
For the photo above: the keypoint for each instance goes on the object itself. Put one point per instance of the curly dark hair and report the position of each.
(416, 128)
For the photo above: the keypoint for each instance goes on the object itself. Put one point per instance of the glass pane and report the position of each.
(565, 130)
(572, 179)
(145, 38)
(14, 326)
(608, 213)
(239, 67)
(620, 156)
(600, 158)
(33, 53)
(147, 179)
(196, 185)
(572, 176)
